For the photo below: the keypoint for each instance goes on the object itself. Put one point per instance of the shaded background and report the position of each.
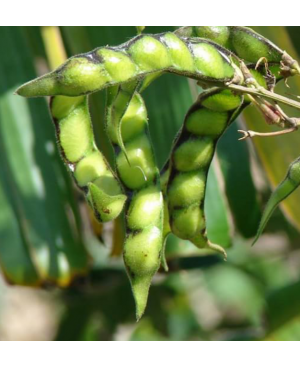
(49, 239)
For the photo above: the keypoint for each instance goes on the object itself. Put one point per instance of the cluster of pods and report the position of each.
(221, 59)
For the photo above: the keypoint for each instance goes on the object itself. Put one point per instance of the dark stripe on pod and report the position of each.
(187, 180)
(94, 57)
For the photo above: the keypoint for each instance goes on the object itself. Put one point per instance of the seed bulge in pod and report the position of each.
(141, 169)
(76, 135)
(81, 75)
(210, 62)
(108, 183)
(193, 154)
(149, 54)
(180, 54)
(218, 34)
(187, 222)
(142, 252)
(251, 47)
(145, 208)
(205, 122)
(186, 189)
(223, 101)
(133, 122)
(62, 106)
(107, 206)
(90, 168)
(119, 65)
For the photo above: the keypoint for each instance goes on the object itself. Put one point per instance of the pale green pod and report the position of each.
(284, 190)
(140, 167)
(139, 174)
(76, 135)
(86, 163)
(133, 123)
(143, 57)
(142, 259)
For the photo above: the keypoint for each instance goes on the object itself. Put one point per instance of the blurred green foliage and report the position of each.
(46, 235)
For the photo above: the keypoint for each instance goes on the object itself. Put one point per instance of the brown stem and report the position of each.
(262, 92)
(251, 133)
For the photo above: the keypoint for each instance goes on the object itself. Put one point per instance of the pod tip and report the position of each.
(42, 86)
(217, 248)
(140, 289)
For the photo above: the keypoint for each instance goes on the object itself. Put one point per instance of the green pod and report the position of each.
(290, 183)
(88, 166)
(246, 44)
(139, 175)
(143, 57)
(190, 160)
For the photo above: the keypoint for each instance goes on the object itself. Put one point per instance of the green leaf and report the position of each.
(283, 306)
(239, 187)
(16, 265)
(284, 190)
(216, 211)
(33, 180)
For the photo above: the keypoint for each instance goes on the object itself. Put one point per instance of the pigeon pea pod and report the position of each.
(88, 166)
(139, 174)
(246, 44)
(190, 160)
(284, 189)
(142, 56)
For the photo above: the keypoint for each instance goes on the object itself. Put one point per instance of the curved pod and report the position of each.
(88, 166)
(144, 55)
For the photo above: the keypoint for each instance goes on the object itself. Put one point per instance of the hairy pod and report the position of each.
(290, 183)
(190, 160)
(137, 170)
(246, 44)
(137, 59)
(88, 166)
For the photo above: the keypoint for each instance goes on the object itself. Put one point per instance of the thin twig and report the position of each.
(262, 92)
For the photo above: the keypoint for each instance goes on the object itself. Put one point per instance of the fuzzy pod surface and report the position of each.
(246, 44)
(86, 163)
(138, 172)
(190, 160)
(136, 59)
